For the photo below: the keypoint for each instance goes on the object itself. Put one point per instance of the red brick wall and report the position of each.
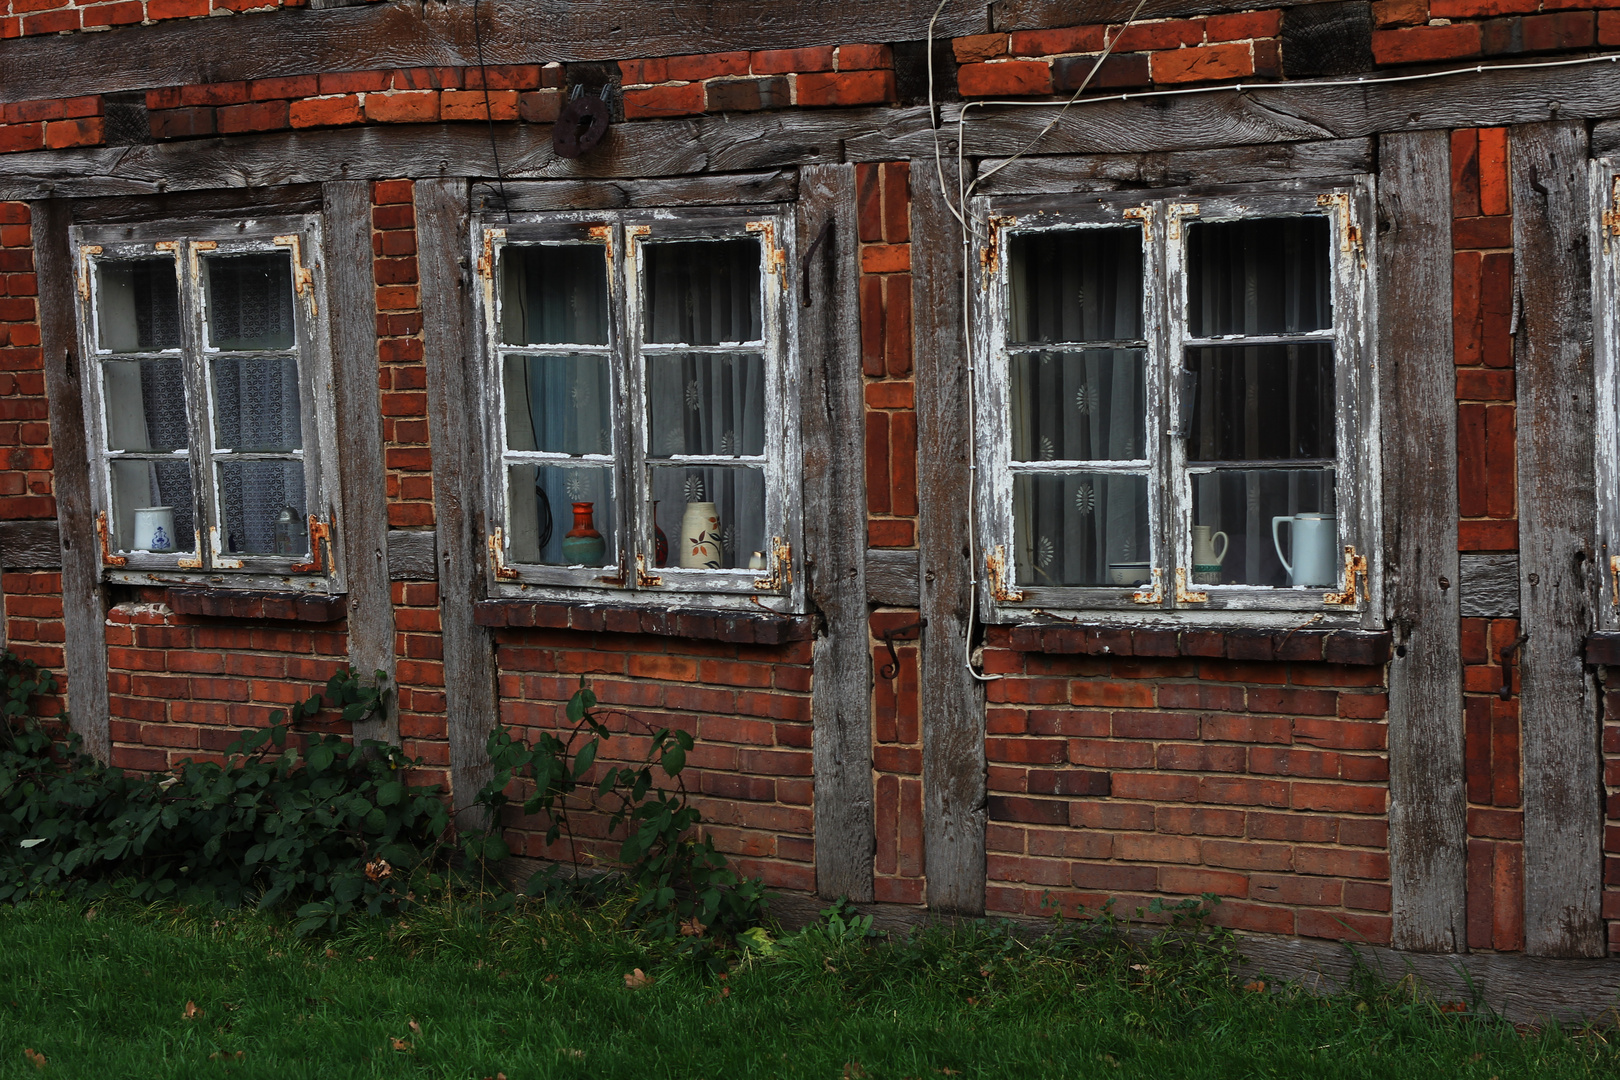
(897, 762)
(21, 18)
(884, 209)
(1611, 835)
(1425, 31)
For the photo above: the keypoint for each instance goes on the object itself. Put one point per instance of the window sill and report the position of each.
(237, 604)
(761, 628)
(1603, 647)
(1362, 647)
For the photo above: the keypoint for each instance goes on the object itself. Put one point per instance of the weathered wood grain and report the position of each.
(951, 700)
(1229, 165)
(779, 185)
(832, 432)
(413, 555)
(351, 311)
(84, 611)
(1427, 801)
(227, 202)
(891, 577)
(454, 412)
(30, 545)
(406, 33)
(1558, 566)
(1490, 586)
(1034, 14)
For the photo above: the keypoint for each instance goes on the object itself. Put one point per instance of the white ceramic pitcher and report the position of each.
(1315, 542)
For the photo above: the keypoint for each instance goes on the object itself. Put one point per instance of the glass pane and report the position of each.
(152, 504)
(1076, 285)
(1079, 406)
(137, 305)
(146, 404)
(264, 509)
(700, 403)
(559, 404)
(1259, 276)
(1245, 504)
(554, 293)
(1262, 402)
(711, 517)
(250, 301)
(1081, 529)
(561, 515)
(256, 405)
(703, 292)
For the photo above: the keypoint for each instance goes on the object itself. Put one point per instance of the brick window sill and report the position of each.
(744, 628)
(1361, 647)
(240, 604)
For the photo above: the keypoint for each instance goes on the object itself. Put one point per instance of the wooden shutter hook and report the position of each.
(1506, 657)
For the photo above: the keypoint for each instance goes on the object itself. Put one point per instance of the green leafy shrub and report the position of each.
(337, 828)
(682, 885)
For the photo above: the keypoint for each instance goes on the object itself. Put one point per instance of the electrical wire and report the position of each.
(489, 114)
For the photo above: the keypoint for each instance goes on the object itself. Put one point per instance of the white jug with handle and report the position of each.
(1315, 541)
(1206, 560)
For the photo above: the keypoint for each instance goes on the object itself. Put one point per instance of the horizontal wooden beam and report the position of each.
(1176, 168)
(30, 545)
(1034, 14)
(409, 33)
(779, 185)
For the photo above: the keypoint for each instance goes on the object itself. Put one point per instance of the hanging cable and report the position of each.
(489, 114)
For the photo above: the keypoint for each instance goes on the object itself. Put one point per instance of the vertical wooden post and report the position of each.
(84, 612)
(833, 426)
(1428, 801)
(951, 700)
(363, 532)
(1559, 570)
(455, 415)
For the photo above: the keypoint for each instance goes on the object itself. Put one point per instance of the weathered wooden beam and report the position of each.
(1490, 586)
(30, 545)
(351, 311)
(1034, 14)
(1177, 168)
(951, 700)
(891, 577)
(832, 426)
(454, 411)
(408, 33)
(84, 612)
(1560, 573)
(777, 186)
(1427, 800)
(413, 555)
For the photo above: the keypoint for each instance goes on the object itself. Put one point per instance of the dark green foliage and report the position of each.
(338, 828)
(676, 877)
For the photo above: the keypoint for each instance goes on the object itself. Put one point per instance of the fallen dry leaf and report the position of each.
(35, 1058)
(692, 927)
(1256, 987)
(191, 1012)
(637, 979)
(402, 1044)
(414, 1026)
(330, 955)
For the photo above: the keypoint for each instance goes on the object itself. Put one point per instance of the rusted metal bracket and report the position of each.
(107, 557)
(604, 233)
(1155, 595)
(486, 261)
(1143, 214)
(1614, 578)
(990, 253)
(1611, 216)
(1353, 565)
(775, 257)
(196, 560)
(1177, 211)
(995, 569)
(1505, 691)
(645, 580)
(890, 636)
(1349, 234)
(318, 531)
(84, 268)
(497, 555)
(303, 277)
(1183, 596)
(781, 567)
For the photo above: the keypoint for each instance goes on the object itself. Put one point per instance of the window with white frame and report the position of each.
(1174, 403)
(642, 408)
(209, 408)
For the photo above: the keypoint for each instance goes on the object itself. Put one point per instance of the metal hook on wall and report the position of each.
(893, 634)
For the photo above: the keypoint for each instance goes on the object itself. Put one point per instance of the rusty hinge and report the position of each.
(1349, 234)
(775, 257)
(497, 554)
(1182, 595)
(1155, 595)
(486, 261)
(318, 531)
(781, 567)
(604, 233)
(645, 580)
(999, 577)
(1611, 216)
(84, 268)
(166, 245)
(1353, 564)
(1143, 214)
(303, 277)
(1176, 211)
(1614, 577)
(107, 557)
(990, 253)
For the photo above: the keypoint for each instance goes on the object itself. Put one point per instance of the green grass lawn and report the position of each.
(138, 993)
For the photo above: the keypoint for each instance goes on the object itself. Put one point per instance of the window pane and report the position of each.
(700, 403)
(545, 503)
(1079, 406)
(1259, 276)
(250, 301)
(163, 488)
(137, 305)
(1244, 503)
(263, 507)
(256, 405)
(702, 292)
(554, 293)
(1264, 402)
(559, 404)
(1081, 529)
(146, 404)
(1076, 285)
(737, 495)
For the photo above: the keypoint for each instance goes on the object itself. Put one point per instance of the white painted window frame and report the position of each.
(316, 570)
(635, 579)
(1173, 598)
